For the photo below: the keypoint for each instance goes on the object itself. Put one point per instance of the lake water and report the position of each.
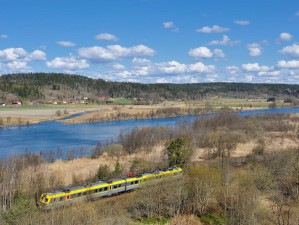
(53, 135)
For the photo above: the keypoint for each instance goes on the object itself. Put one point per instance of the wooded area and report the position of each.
(44, 86)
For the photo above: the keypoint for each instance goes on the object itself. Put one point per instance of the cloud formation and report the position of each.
(285, 37)
(213, 29)
(255, 49)
(66, 43)
(225, 41)
(201, 53)
(219, 53)
(242, 22)
(68, 63)
(292, 64)
(114, 52)
(291, 50)
(170, 71)
(170, 25)
(106, 37)
(3, 36)
(20, 54)
(255, 67)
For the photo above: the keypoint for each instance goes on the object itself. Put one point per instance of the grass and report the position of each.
(154, 220)
(121, 100)
(213, 219)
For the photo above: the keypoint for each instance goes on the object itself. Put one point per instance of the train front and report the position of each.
(43, 202)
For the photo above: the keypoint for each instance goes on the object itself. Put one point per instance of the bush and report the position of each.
(58, 113)
(103, 173)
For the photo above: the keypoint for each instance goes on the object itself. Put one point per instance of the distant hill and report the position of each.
(55, 86)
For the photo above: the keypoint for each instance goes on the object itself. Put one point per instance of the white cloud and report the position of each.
(291, 50)
(242, 22)
(249, 78)
(106, 37)
(171, 71)
(171, 25)
(114, 52)
(140, 61)
(293, 64)
(161, 80)
(225, 41)
(170, 67)
(20, 54)
(66, 43)
(97, 54)
(199, 67)
(174, 67)
(15, 60)
(18, 66)
(68, 63)
(233, 70)
(285, 37)
(11, 54)
(219, 53)
(255, 49)
(3, 36)
(38, 55)
(201, 53)
(14, 67)
(255, 67)
(213, 29)
(168, 25)
(118, 66)
(270, 73)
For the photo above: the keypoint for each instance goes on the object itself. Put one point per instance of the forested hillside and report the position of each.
(47, 86)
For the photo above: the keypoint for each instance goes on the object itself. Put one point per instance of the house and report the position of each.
(2, 104)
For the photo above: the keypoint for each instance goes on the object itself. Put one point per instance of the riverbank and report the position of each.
(25, 115)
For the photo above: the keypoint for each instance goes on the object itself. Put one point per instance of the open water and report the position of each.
(54, 135)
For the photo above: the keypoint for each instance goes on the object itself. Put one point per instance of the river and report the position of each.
(53, 135)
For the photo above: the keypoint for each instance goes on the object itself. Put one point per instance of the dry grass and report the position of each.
(86, 168)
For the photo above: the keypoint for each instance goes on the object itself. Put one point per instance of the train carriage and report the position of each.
(93, 191)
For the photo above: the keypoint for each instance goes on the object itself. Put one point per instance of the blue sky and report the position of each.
(153, 41)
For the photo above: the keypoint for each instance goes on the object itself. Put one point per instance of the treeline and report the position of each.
(40, 86)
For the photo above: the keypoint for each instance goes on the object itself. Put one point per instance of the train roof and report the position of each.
(108, 182)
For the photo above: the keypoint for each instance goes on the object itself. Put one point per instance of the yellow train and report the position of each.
(68, 196)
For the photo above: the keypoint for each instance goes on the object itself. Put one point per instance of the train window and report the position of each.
(136, 181)
(79, 194)
(84, 193)
(132, 182)
(119, 185)
(74, 196)
(46, 199)
(95, 190)
(105, 188)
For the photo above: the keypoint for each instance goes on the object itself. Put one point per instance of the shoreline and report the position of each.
(104, 113)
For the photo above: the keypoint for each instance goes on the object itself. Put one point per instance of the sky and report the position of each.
(153, 41)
